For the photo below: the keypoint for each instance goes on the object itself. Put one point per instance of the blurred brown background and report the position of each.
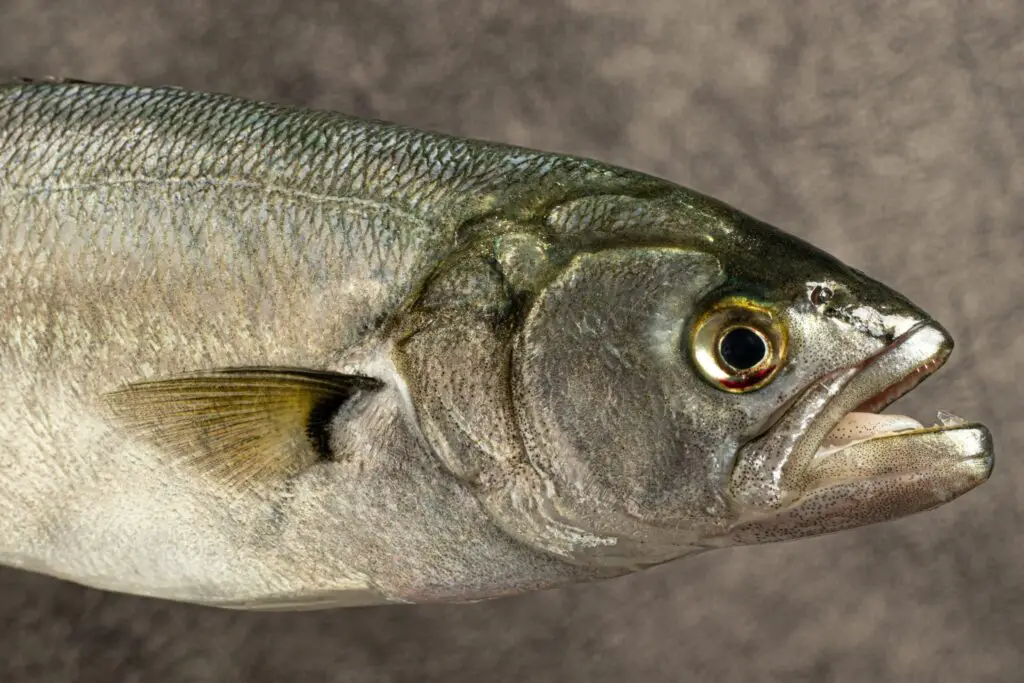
(889, 133)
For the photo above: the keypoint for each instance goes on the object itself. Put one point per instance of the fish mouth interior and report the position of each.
(884, 378)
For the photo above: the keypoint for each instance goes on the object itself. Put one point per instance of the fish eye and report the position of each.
(738, 345)
(742, 348)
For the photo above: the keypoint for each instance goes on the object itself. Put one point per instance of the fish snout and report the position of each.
(831, 462)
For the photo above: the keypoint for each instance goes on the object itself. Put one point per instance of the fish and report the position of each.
(265, 357)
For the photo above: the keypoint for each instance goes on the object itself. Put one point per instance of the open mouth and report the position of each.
(878, 382)
(834, 430)
(832, 461)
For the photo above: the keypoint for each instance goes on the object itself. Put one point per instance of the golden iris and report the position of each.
(739, 345)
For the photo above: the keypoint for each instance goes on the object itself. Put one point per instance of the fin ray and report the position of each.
(239, 425)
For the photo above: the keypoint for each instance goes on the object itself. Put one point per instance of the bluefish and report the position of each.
(267, 357)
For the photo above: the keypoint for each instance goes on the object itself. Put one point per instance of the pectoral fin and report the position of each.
(240, 425)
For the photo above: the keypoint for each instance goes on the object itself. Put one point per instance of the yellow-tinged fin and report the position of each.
(240, 425)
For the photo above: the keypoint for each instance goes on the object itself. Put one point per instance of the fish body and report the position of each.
(268, 357)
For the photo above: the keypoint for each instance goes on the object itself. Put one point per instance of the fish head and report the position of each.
(714, 381)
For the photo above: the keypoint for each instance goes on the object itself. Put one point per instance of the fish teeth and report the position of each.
(947, 419)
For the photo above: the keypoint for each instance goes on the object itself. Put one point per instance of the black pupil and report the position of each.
(742, 348)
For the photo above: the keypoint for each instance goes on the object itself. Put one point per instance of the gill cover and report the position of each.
(615, 418)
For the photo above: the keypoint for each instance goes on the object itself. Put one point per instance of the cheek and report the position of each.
(625, 424)
(650, 440)
(608, 406)
(821, 344)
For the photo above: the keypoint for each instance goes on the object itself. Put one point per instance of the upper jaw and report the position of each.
(904, 364)
(873, 384)
(776, 469)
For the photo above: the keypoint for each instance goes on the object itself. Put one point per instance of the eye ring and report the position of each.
(738, 345)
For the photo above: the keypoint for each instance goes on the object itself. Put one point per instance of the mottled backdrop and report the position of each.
(889, 133)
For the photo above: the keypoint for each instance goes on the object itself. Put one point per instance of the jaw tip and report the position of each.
(973, 442)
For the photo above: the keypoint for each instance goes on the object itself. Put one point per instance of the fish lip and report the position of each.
(924, 334)
(926, 347)
(915, 374)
